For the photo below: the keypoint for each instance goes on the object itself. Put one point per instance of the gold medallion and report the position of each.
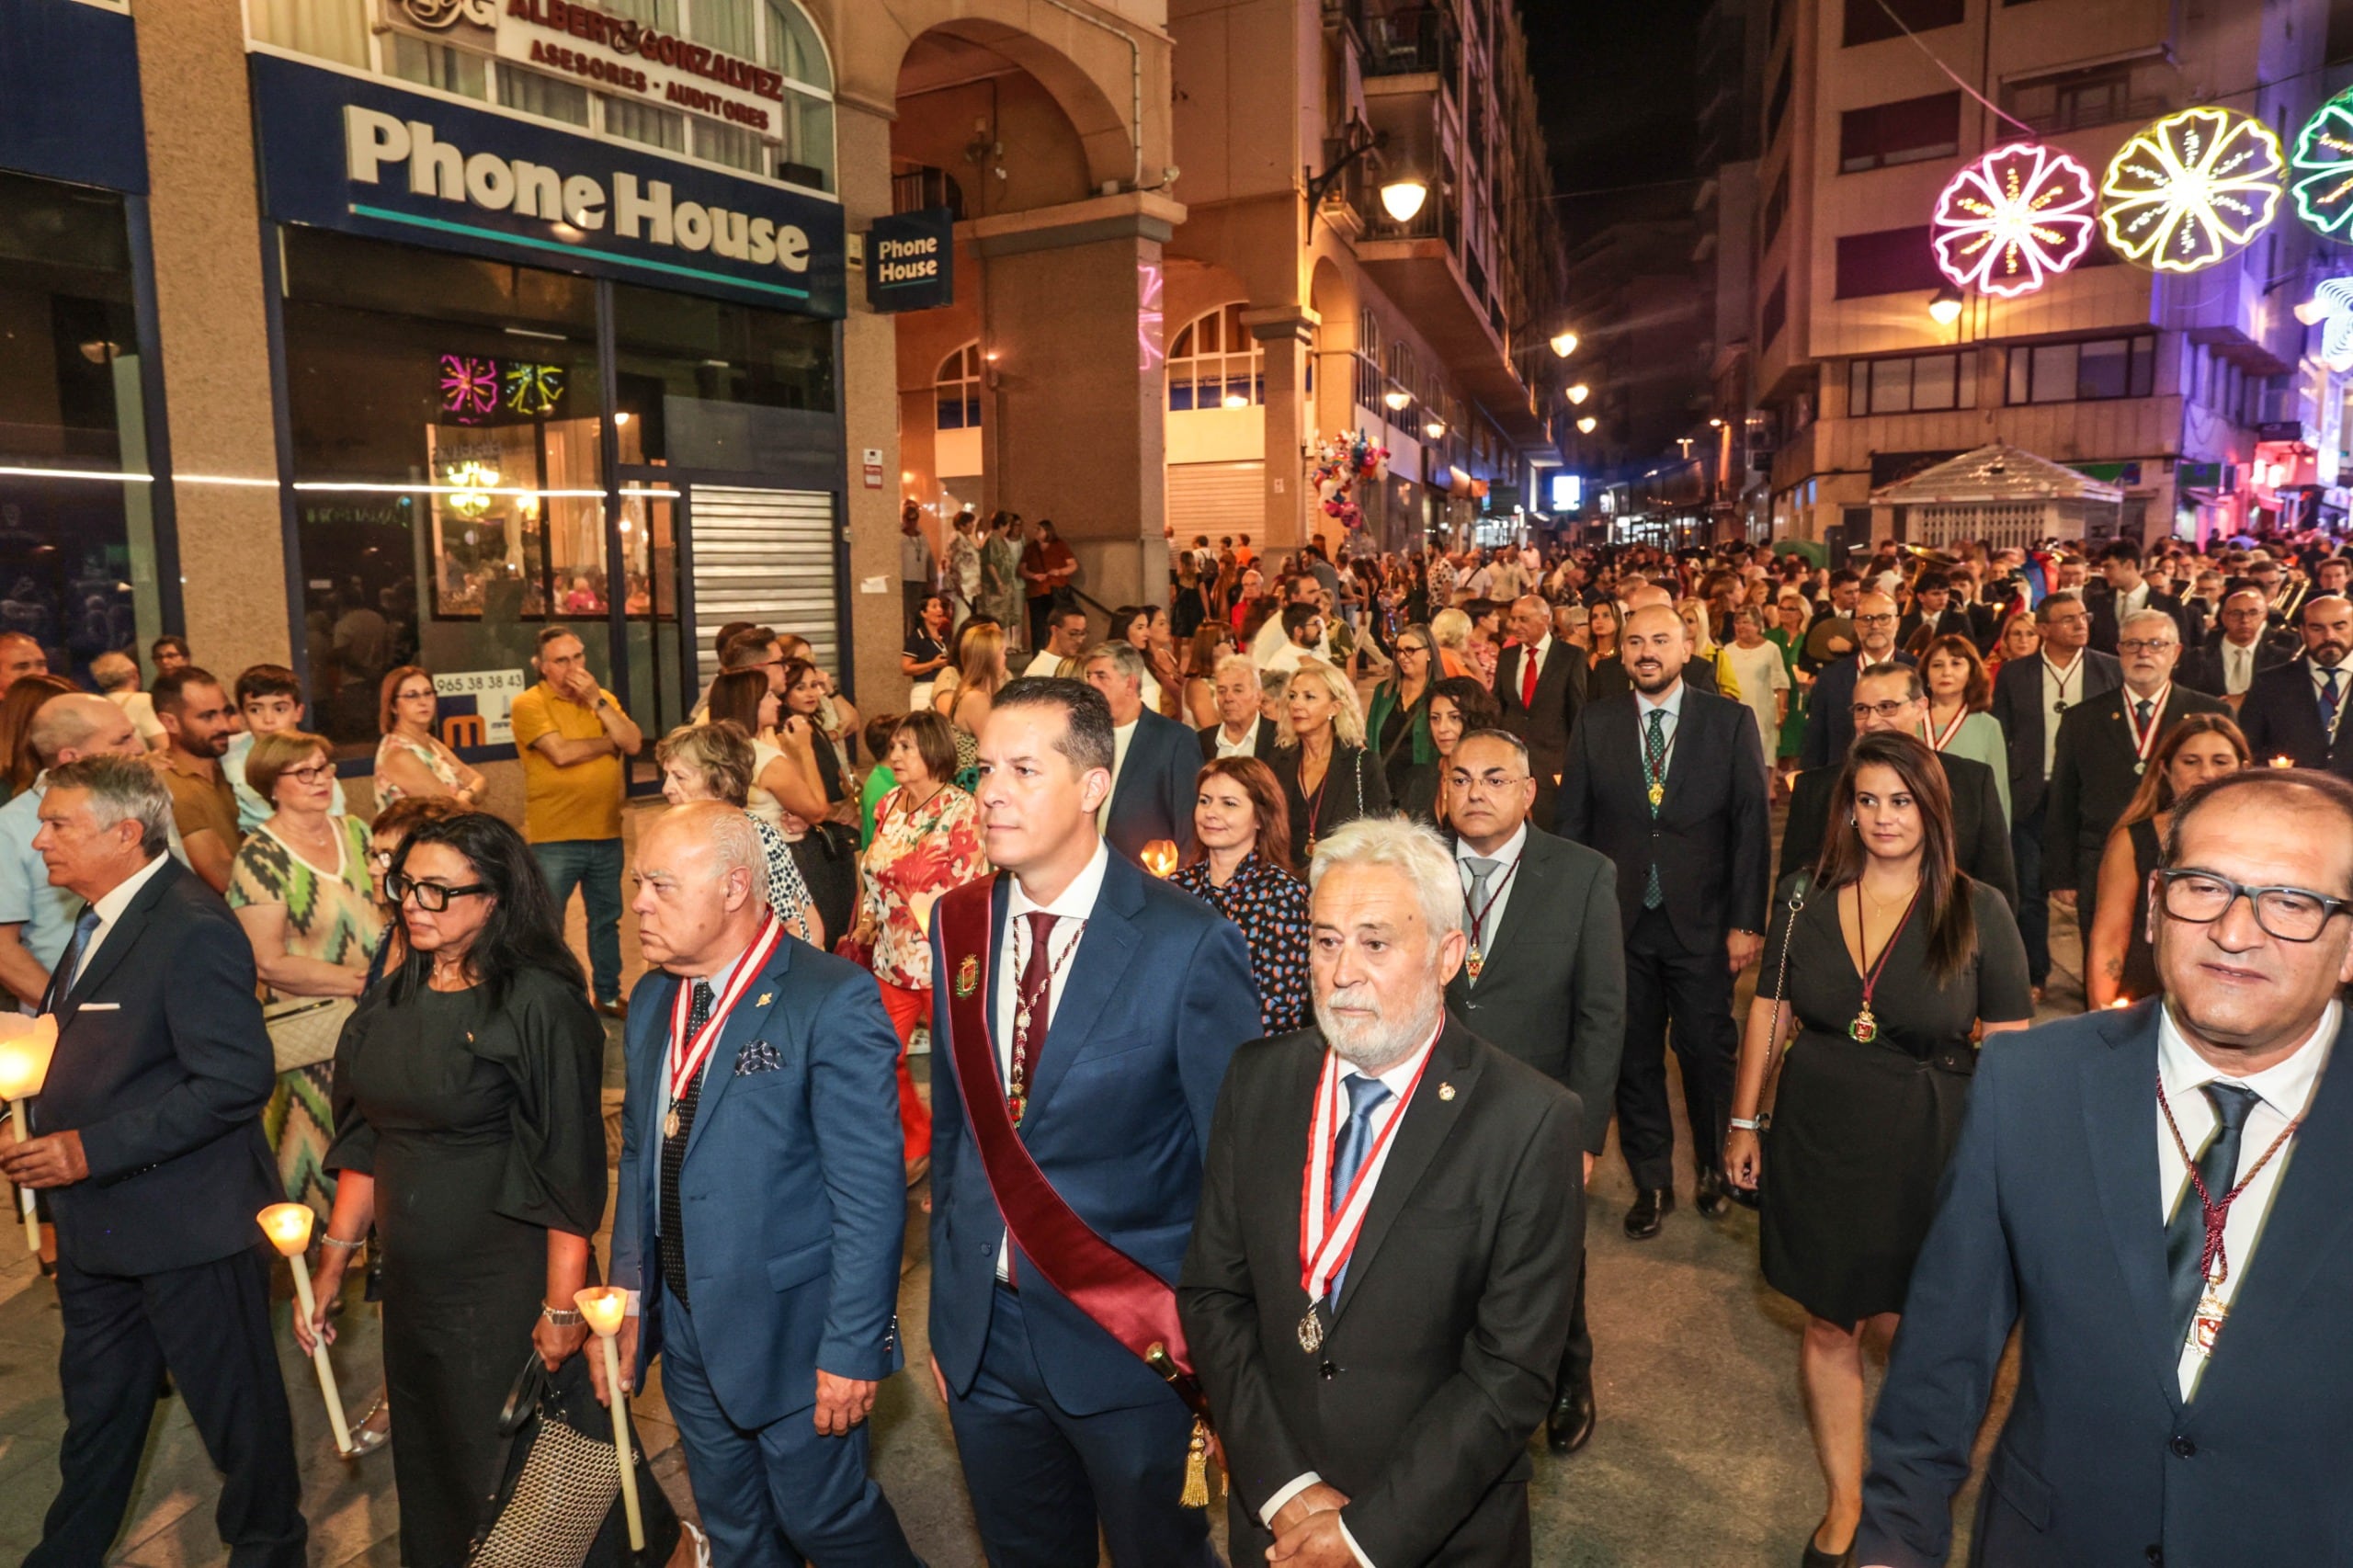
(1446, 1091)
(2207, 1326)
(1311, 1330)
(766, 997)
(968, 976)
(1865, 1028)
(670, 1123)
(1475, 963)
(1657, 795)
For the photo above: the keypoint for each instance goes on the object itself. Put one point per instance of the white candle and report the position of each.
(25, 1194)
(25, 1046)
(288, 1226)
(604, 1307)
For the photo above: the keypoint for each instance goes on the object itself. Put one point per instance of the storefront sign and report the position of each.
(910, 261)
(345, 152)
(71, 108)
(613, 54)
(474, 706)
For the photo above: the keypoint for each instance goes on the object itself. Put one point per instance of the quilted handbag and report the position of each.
(558, 1498)
(303, 1029)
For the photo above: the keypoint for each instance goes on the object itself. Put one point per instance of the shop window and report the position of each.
(1886, 261)
(1368, 361)
(1917, 383)
(713, 385)
(1906, 132)
(2098, 370)
(957, 390)
(77, 556)
(1868, 21)
(1213, 362)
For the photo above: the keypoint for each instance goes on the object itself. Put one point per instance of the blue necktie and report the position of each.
(1366, 1096)
(69, 962)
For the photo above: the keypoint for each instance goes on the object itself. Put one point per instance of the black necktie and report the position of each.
(671, 1245)
(2142, 709)
(2218, 1167)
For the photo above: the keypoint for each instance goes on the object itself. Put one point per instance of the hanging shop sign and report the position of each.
(2192, 189)
(71, 108)
(613, 54)
(910, 261)
(2014, 219)
(350, 152)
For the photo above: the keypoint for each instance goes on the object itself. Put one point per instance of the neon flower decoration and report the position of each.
(2324, 154)
(469, 387)
(2192, 189)
(533, 389)
(2014, 219)
(2331, 310)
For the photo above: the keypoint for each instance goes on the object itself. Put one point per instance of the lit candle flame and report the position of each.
(288, 1226)
(2283, 762)
(1160, 858)
(2122, 1002)
(25, 1046)
(604, 1306)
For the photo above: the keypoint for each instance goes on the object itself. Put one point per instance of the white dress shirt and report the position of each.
(1399, 1078)
(1531, 659)
(2131, 602)
(1122, 736)
(1506, 858)
(2058, 685)
(1071, 911)
(1246, 746)
(109, 908)
(2238, 667)
(2285, 1092)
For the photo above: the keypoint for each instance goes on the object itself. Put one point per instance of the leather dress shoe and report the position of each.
(1815, 1557)
(1652, 1206)
(1568, 1426)
(1713, 1197)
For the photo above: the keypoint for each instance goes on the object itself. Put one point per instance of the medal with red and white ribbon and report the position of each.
(687, 1056)
(2144, 742)
(1939, 739)
(1328, 1232)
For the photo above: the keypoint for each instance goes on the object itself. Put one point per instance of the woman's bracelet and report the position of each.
(340, 1245)
(1749, 1123)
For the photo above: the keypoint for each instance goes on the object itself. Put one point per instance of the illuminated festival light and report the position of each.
(2192, 189)
(2014, 219)
(2331, 310)
(469, 387)
(2325, 156)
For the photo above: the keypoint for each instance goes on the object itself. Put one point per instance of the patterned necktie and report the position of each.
(1654, 783)
(673, 1241)
(2218, 1167)
(69, 962)
(1366, 1096)
(2328, 701)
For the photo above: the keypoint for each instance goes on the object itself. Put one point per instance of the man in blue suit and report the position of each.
(1156, 761)
(761, 1202)
(1113, 1004)
(2155, 1197)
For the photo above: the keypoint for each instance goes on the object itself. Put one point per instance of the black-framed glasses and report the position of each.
(432, 896)
(1891, 711)
(2292, 915)
(1875, 620)
(316, 773)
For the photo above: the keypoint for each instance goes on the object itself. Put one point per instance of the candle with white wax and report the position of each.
(605, 1306)
(288, 1226)
(25, 1046)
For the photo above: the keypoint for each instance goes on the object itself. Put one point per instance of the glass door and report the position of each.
(662, 686)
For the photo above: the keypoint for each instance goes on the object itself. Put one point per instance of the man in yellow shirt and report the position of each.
(572, 734)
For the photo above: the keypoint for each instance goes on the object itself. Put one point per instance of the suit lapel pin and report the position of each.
(1446, 1091)
(968, 976)
(766, 997)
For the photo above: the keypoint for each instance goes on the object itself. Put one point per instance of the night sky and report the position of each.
(1614, 80)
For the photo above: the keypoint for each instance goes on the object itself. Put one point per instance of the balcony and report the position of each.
(1414, 41)
(921, 188)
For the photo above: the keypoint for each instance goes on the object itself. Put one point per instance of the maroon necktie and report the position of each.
(1036, 986)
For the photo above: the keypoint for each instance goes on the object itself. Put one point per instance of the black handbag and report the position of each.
(558, 1498)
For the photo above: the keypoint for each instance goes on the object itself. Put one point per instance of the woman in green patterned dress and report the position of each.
(300, 889)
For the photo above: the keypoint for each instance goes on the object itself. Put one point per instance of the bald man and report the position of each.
(35, 919)
(1539, 684)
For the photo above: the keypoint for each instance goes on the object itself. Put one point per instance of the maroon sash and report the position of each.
(1123, 1298)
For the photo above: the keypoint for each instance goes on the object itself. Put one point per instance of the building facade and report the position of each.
(2183, 390)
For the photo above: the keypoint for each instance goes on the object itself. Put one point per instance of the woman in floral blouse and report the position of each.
(1241, 867)
(926, 840)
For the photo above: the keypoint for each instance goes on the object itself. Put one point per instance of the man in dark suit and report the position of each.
(2104, 746)
(1933, 615)
(1544, 978)
(2177, 1402)
(1890, 697)
(2031, 696)
(1381, 1412)
(1243, 728)
(774, 1318)
(2128, 594)
(1062, 1428)
(2226, 667)
(149, 1144)
(1155, 761)
(1829, 719)
(1539, 686)
(1656, 781)
(2298, 710)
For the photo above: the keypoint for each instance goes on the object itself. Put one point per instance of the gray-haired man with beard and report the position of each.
(1375, 1381)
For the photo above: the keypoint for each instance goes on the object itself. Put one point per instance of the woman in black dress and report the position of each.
(1320, 759)
(469, 1131)
(2120, 966)
(1894, 959)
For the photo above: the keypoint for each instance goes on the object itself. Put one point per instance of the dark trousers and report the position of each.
(593, 866)
(1041, 1479)
(2034, 899)
(210, 1326)
(1577, 1360)
(1041, 609)
(1685, 997)
(781, 1493)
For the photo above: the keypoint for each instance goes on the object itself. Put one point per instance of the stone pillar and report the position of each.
(1076, 407)
(1286, 332)
(871, 420)
(211, 318)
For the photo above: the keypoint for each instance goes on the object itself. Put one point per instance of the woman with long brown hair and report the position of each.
(1880, 972)
(1961, 695)
(23, 699)
(1212, 641)
(1241, 867)
(2120, 966)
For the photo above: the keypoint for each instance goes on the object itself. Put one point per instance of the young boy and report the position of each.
(270, 699)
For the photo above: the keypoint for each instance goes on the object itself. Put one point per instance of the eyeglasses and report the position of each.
(433, 896)
(1461, 780)
(379, 859)
(316, 773)
(1888, 711)
(2293, 914)
(1875, 620)
(2146, 644)
(415, 693)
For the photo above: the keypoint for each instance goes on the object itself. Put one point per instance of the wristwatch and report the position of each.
(1752, 1124)
(562, 1317)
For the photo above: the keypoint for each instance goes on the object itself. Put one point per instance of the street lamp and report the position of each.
(1944, 305)
(1564, 343)
(1586, 426)
(1402, 197)
(1402, 194)
(1397, 398)
(1433, 428)
(1579, 393)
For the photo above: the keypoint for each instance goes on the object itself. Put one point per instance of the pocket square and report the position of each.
(757, 1057)
(100, 1008)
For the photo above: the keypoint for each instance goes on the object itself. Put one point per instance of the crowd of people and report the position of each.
(1426, 862)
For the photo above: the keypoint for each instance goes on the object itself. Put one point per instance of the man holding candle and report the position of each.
(760, 1205)
(148, 1138)
(1153, 759)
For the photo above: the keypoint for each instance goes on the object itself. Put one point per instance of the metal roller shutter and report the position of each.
(766, 556)
(1214, 498)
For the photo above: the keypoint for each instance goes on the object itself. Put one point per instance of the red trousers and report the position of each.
(907, 1008)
